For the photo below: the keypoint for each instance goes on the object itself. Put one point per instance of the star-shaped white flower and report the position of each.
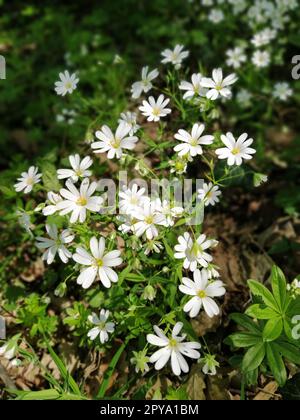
(155, 109)
(129, 118)
(175, 56)
(235, 150)
(53, 198)
(56, 243)
(217, 85)
(193, 251)
(66, 84)
(27, 180)
(102, 328)
(209, 193)
(193, 88)
(192, 142)
(79, 168)
(145, 84)
(149, 218)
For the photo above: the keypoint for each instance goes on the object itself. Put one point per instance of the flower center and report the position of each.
(68, 85)
(156, 111)
(201, 294)
(78, 172)
(82, 201)
(172, 343)
(149, 220)
(99, 262)
(219, 87)
(29, 181)
(196, 249)
(235, 151)
(194, 142)
(115, 143)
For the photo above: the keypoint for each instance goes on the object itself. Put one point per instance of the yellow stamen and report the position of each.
(201, 294)
(235, 151)
(82, 201)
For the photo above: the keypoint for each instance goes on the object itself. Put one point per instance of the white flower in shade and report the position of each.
(27, 180)
(153, 246)
(192, 251)
(8, 351)
(192, 142)
(131, 198)
(179, 165)
(148, 218)
(129, 118)
(261, 59)
(155, 109)
(175, 56)
(24, 220)
(145, 84)
(209, 193)
(216, 16)
(203, 292)
(79, 201)
(169, 211)
(263, 37)
(56, 243)
(244, 97)
(217, 85)
(102, 328)
(98, 264)
(209, 364)
(235, 150)
(211, 271)
(140, 360)
(114, 144)
(236, 57)
(79, 169)
(282, 91)
(174, 348)
(194, 87)
(53, 198)
(66, 84)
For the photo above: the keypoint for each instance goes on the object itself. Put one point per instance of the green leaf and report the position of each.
(246, 322)
(272, 329)
(278, 283)
(49, 177)
(260, 290)
(46, 394)
(244, 339)
(258, 312)
(289, 351)
(253, 357)
(276, 363)
(169, 250)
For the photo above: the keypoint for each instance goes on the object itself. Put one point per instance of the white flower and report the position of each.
(99, 264)
(129, 118)
(8, 351)
(27, 180)
(216, 16)
(191, 142)
(131, 199)
(153, 245)
(203, 292)
(217, 85)
(79, 169)
(282, 91)
(172, 347)
(175, 56)
(155, 109)
(145, 84)
(54, 199)
(103, 328)
(24, 220)
(235, 150)
(79, 201)
(243, 97)
(148, 217)
(66, 84)
(209, 193)
(56, 243)
(261, 59)
(236, 57)
(194, 87)
(169, 211)
(114, 143)
(263, 37)
(211, 271)
(193, 251)
(210, 364)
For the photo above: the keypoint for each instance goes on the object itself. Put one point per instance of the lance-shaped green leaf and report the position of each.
(258, 312)
(260, 290)
(245, 322)
(276, 363)
(278, 283)
(272, 329)
(243, 339)
(253, 357)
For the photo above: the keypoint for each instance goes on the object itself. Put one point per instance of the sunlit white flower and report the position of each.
(175, 56)
(192, 142)
(263, 37)
(174, 348)
(236, 57)
(79, 169)
(282, 91)
(145, 84)
(140, 360)
(261, 59)
(53, 198)
(149, 218)
(155, 109)
(114, 144)
(194, 87)
(209, 364)
(56, 243)
(216, 16)
(129, 118)
(103, 328)
(217, 85)
(79, 201)
(27, 180)
(66, 84)
(209, 193)
(131, 199)
(244, 97)
(235, 150)
(203, 292)
(169, 211)
(98, 264)
(192, 251)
